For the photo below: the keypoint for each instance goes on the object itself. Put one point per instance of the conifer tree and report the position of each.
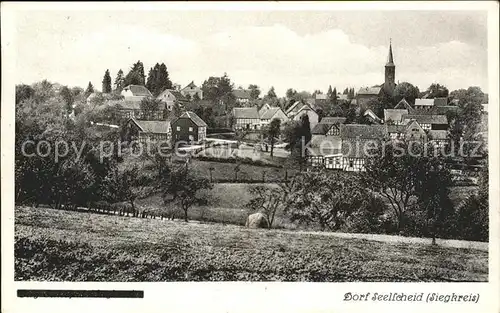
(119, 81)
(106, 82)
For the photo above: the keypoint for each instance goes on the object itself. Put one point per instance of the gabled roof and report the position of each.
(441, 109)
(125, 104)
(191, 85)
(321, 129)
(297, 107)
(427, 118)
(268, 114)
(193, 117)
(138, 90)
(438, 134)
(424, 102)
(246, 113)
(332, 120)
(241, 93)
(321, 96)
(403, 104)
(440, 101)
(394, 114)
(177, 95)
(372, 115)
(370, 91)
(396, 129)
(153, 127)
(362, 131)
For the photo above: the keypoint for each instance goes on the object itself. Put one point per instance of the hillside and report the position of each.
(59, 245)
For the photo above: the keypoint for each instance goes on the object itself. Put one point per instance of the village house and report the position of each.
(438, 137)
(404, 105)
(189, 127)
(372, 117)
(424, 104)
(427, 121)
(394, 116)
(142, 130)
(298, 109)
(325, 141)
(135, 93)
(357, 140)
(268, 113)
(246, 118)
(191, 91)
(170, 97)
(367, 94)
(414, 132)
(132, 109)
(242, 96)
(99, 96)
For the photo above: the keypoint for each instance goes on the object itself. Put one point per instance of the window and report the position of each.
(191, 138)
(190, 129)
(351, 164)
(178, 128)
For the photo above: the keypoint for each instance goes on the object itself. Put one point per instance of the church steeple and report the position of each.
(390, 58)
(390, 72)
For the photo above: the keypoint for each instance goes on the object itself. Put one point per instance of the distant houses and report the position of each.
(192, 91)
(135, 93)
(170, 97)
(367, 94)
(298, 109)
(242, 96)
(355, 141)
(268, 113)
(147, 130)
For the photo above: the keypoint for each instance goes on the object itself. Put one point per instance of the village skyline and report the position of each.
(260, 48)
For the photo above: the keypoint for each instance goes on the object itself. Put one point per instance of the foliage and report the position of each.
(89, 90)
(136, 75)
(271, 93)
(436, 90)
(106, 82)
(119, 81)
(406, 91)
(24, 92)
(150, 107)
(68, 98)
(158, 79)
(325, 199)
(219, 90)
(272, 132)
(254, 91)
(182, 187)
(408, 179)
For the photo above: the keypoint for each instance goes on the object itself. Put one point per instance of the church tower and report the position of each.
(390, 73)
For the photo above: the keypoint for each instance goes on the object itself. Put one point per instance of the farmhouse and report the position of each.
(170, 97)
(404, 105)
(242, 96)
(135, 93)
(246, 118)
(192, 91)
(394, 116)
(357, 140)
(427, 121)
(189, 127)
(325, 139)
(415, 132)
(268, 113)
(365, 95)
(298, 109)
(143, 130)
(132, 109)
(424, 104)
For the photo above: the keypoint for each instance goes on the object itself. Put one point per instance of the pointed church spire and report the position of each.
(390, 59)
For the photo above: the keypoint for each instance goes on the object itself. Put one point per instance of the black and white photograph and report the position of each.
(263, 145)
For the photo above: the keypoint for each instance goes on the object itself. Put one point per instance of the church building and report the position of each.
(365, 95)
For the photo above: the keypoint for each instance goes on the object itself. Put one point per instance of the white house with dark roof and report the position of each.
(135, 93)
(298, 109)
(394, 116)
(425, 104)
(170, 97)
(246, 118)
(191, 90)
(268, 113)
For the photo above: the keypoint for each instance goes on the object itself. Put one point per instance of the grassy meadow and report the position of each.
(54, 245)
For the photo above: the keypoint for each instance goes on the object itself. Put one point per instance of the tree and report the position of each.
(330, 91)
(406, 91)
(325, 199)
(271, 199)
(333, 97)
(136, 75)
(89, 90)
(298, 135)
(272, 132)
(106, 82)
(254, 92)
(220, 91)
(150, 107)
(183, 188)
(68, 98)
(24, 92)
(119, 81)
(158, 79)
(44, 91)
(436, 90)
(291, 93)
(271, 94)
(402, 173)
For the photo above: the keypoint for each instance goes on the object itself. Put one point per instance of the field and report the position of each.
(56, 245)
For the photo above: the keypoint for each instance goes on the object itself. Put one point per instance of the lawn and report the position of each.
(56, 245)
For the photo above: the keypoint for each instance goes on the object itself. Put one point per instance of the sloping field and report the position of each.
(69, 246)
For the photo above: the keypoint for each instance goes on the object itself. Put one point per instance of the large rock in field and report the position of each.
(257, 220)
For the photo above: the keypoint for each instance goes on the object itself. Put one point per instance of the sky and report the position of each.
(304, 50)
